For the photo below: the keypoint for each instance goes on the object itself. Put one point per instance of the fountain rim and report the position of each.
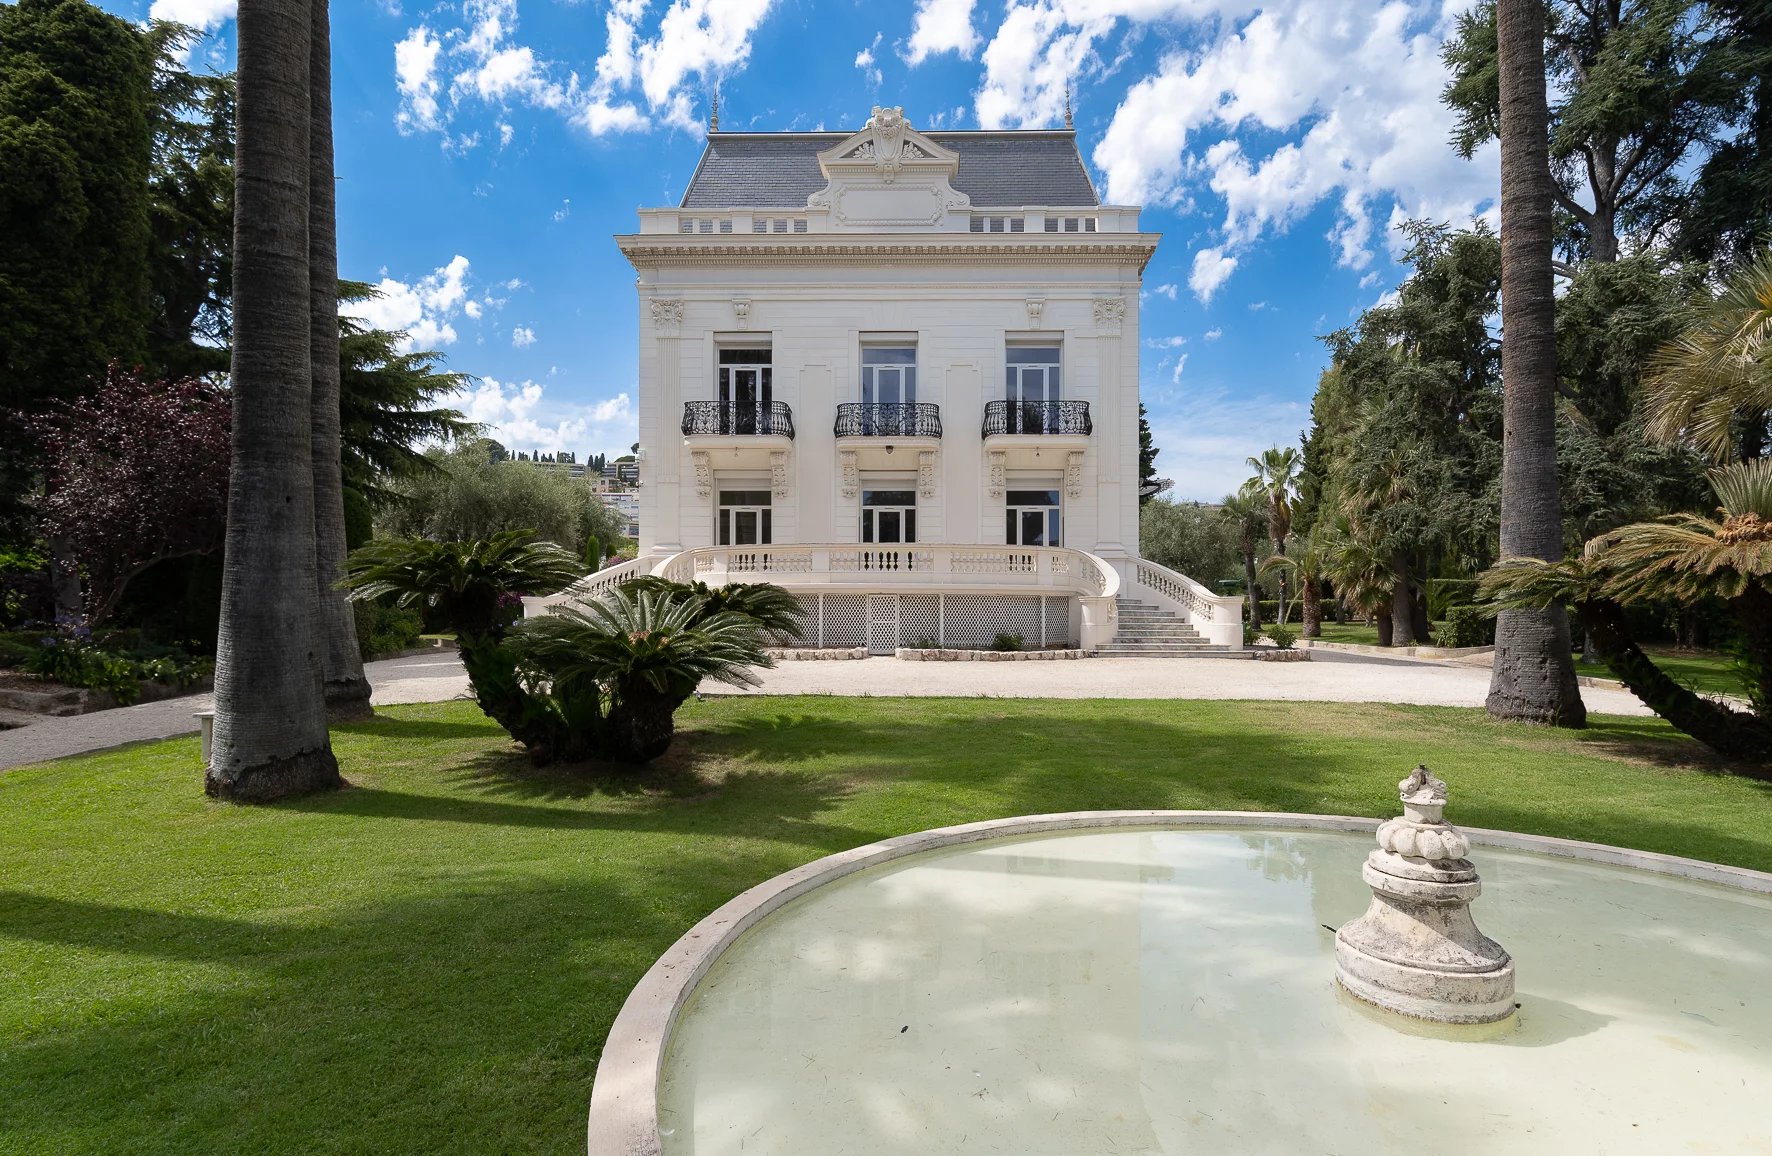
(624, 1093)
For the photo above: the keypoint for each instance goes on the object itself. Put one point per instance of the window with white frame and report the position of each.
(1031, 517)
(743, 518)
(888, 374)
(746, 384)
(888, 515)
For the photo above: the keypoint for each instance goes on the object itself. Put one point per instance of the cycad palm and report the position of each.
(773, 608)
(648, 649)
(1683, 558)
(1702, 385)
(461, 582)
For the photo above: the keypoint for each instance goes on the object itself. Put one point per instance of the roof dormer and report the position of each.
(890, 178)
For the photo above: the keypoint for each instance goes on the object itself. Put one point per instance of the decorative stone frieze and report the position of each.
(1109, 312)
(1073, 473)
(704, 472)
(667, 314)
(926, 473)
(778, 472)
(998, 473)
(1417, 951)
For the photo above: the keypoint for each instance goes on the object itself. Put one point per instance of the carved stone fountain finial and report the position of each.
(1417, 950)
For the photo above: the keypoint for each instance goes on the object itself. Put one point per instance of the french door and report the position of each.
(744, 518)
(746, 390)
(1031, 386)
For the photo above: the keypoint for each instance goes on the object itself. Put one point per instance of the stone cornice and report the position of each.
(653, 250)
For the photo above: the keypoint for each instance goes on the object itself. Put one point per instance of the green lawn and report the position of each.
(1704, 671)
(429, 961)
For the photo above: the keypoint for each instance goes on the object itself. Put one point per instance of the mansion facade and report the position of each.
(896, 372)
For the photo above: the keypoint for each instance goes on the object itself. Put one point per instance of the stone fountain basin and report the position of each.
(1163, 982)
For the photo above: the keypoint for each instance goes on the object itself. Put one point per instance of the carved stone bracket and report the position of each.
(1036, 306)
(741, 312)
(1073, 473)
(704, 472)
(851, 476)
(1109, 312)
(926, 473)
(997, 474)
(778, 472)
(667, 314)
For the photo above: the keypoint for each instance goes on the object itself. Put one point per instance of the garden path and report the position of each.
(1329, 677)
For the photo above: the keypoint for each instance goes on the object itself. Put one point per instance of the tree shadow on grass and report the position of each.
(386, 727)
(451, 1019)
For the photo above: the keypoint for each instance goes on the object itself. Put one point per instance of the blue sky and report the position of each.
(489, 149)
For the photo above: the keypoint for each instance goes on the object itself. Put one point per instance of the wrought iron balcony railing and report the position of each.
(738, 417)
(910, 419)
(1037, 417)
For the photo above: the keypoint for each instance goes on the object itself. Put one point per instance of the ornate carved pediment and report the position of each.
(889, 176)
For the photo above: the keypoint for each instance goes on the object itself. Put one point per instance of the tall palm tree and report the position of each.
(1311, 564)
(1682, 558)
(1276, 478)
(1247, 510)
(1534, 673)
(1713, 383)
(1363, 578)
(345, 688)
(270, 716)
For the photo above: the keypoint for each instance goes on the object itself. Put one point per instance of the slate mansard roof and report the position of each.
(997, 169)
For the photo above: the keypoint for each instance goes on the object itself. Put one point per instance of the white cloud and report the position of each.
(423, 309)
(941, 26)
(505, 133)
(522, 416)
(1212, 335)
(864, 60)
(1211, 269)
(522, 337)
(564, 211)
(692, 45)
(1166, 342)
(415, 74)
(1165, 290)
(1180, 364)
(472, 309)
(1273, 107)
(203, 14)
(1257, 306)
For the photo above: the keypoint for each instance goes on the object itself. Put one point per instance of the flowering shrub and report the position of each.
(69, 656)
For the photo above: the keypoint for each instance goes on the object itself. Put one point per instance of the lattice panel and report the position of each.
(845, 620)
(919, 618)
(975, 620)
(1058, 622)
(808, 619)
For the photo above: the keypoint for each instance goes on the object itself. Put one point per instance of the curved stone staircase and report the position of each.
(1148, 631)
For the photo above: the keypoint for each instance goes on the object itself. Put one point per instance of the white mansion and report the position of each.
(896, 372)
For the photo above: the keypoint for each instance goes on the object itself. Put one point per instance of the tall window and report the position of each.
(744, 518)
(888, 374)
(1031, 518)
(746, 383)
(888, 516)
(1031, 387)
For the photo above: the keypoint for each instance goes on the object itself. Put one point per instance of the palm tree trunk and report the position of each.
(640, 725)
(1724, 730)
(1534, 675)
(1402, 605)
(270, 717)
(1312, 593)
(346, 690)
(1254, 590)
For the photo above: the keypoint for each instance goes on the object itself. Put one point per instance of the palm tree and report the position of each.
(1683, 558)
(1276, 478)
(346, 690)
(465, 584)
(1311, 563)
(270, 716)
(648, 649)
(1363, 578)
(1248, 510)
(1534, 673)
(1713, 383)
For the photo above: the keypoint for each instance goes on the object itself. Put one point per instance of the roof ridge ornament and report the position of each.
(714, 114)
(1067, 104)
